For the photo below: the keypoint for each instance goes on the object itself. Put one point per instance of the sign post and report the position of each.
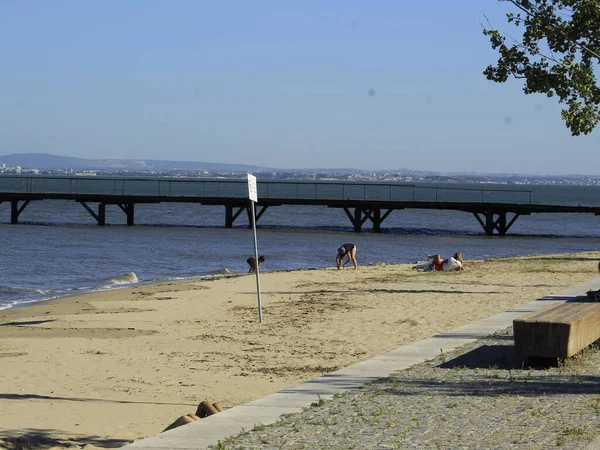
(253, 196)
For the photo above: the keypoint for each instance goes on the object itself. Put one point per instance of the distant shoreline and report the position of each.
(46, 163)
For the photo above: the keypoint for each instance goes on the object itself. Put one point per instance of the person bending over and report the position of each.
(252, 263)
(347, 251)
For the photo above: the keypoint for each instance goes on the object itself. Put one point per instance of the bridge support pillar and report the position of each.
(257, 214)
(230, 215)
(376, 220)
(357, 220)
(101, 214)
(495, 221)
(361, 215)
(489, 223)
(501, 227)
(128, 209)
(15, 211)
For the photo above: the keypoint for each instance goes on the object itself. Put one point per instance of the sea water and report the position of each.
(57, 249)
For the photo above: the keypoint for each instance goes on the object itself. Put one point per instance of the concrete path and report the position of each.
(209, 431)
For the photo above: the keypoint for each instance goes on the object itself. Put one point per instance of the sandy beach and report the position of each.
(106, 368)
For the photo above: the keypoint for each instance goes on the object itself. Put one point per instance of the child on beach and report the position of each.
(347, 251)
(252, 263)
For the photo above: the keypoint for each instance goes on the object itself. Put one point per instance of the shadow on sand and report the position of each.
(40, 439)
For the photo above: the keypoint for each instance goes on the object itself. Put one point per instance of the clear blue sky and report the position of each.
(381, 84)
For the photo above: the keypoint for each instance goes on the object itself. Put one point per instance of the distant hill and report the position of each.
(45, 161)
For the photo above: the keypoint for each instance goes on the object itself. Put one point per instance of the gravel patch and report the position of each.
(481, 396)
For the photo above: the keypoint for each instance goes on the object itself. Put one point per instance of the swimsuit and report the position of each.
(345, 249)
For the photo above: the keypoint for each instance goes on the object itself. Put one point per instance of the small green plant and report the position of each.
(537, 412)
(259, 427)
(519, 440)
(314, 421)
(443, 356)
(319, 402)
(377, 413)
(376, 390)
(573, 431)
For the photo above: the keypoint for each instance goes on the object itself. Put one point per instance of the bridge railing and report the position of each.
(472, 195)
(286, 190)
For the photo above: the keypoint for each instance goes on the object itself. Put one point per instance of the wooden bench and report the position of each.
(558, 331)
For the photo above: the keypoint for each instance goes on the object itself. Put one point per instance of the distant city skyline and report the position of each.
(35, 163)
(290, 85)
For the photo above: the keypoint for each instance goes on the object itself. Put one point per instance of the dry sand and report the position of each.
(103, 369)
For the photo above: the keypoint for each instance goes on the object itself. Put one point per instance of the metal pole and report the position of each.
(257, 264)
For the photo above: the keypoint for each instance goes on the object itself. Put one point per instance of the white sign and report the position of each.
(252, 193)
(253, 196)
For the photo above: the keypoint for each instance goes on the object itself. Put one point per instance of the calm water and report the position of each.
(57, 249)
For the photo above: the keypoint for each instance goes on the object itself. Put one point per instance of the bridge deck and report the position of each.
(489, 206)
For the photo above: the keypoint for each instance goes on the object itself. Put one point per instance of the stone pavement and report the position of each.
(465, 389)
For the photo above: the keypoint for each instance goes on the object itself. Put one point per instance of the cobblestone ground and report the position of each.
(481, 396)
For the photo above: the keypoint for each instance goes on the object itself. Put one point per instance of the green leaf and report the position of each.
(557, 55)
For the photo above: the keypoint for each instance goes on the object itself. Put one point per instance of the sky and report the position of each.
(374, 85)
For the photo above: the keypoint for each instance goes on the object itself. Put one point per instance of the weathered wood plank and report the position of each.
(559, 331)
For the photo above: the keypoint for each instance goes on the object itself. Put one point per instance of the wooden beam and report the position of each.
(558, 331)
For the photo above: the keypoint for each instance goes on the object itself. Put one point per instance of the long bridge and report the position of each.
(495, 209)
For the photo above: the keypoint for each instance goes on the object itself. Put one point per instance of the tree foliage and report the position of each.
(557, 54)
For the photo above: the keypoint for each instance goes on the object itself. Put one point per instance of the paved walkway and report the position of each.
(465, 389)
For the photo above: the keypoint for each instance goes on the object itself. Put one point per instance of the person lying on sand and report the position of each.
(436, 263)
(448, 264)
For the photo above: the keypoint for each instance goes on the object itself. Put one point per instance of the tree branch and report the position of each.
(533, 10)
